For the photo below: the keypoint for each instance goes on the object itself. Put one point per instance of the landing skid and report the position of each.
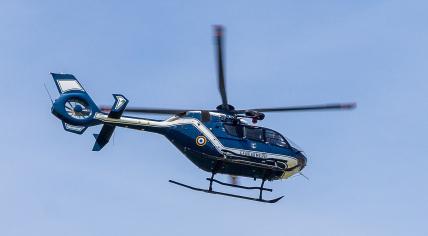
(260, 199)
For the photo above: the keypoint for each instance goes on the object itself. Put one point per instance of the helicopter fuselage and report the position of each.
(219, 144)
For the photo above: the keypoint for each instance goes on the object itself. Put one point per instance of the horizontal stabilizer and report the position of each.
(74, 128)
(103, 137)
(107, 130)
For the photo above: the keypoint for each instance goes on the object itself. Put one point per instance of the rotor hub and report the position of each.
(225, 108)
(78, 108)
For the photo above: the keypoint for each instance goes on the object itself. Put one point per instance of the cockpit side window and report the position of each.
(254, 133)
(234, 130)
(275, 138)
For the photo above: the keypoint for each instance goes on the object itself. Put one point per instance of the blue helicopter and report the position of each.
(219, 141)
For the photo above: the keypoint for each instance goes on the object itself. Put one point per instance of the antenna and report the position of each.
(113, 138)
(300, 173)
(49, 95)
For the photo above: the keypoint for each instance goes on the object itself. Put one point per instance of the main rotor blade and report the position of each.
(335, 106)
(220, 68)
(161, 111)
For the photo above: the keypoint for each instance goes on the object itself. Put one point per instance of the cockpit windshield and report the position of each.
(257, 134)
(275, 138)
(293, 144)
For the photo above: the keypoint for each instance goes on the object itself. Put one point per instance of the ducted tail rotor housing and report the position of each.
(74, 107)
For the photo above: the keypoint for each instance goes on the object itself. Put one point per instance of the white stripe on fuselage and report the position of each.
(291, 161)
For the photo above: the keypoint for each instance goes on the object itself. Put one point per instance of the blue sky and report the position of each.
(367, 167)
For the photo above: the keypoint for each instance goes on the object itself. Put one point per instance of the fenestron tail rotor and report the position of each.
(78, 108)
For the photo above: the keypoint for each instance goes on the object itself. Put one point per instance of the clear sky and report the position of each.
(367, 167)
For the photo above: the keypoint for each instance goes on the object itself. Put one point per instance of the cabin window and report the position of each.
(234, 130)
(254, 133)
(275, 138)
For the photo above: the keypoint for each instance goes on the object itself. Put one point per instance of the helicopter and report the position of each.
(218, 141)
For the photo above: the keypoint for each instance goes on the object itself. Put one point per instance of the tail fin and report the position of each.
(67, 83)
(74, 107)
(76, 110)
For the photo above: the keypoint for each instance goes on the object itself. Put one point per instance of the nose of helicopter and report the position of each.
(301, 160)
